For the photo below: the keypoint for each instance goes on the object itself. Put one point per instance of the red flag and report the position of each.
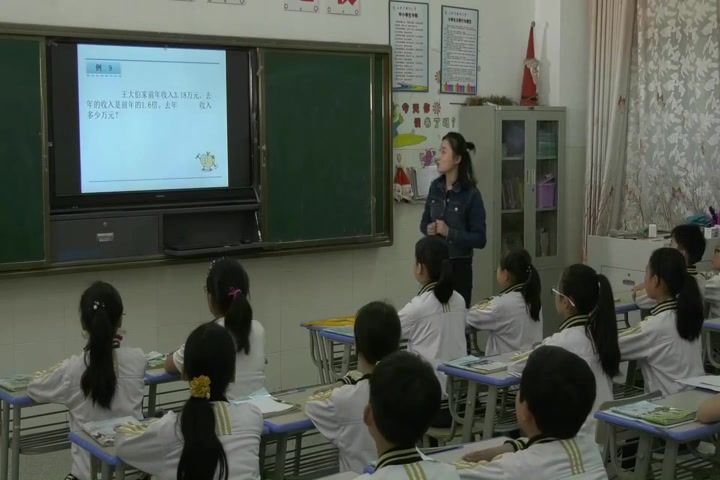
(529, 96)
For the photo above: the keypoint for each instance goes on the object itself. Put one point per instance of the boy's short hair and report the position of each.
(377, 331)
(691, 239)
(405, 397)
(559, 389)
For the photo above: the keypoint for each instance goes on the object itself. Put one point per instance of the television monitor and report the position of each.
(143, 124)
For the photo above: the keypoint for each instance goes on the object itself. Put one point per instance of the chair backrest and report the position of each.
(601, 432)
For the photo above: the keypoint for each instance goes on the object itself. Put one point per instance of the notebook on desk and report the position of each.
(15, 383)
(346, 331)
(656, 414)
(484, 365)
(269, 405)
(103, 431)
(155, 360)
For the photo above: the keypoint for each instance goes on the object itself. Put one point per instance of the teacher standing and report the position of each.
(454, 210)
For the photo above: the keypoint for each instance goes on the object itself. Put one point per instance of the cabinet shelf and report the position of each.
(519, 148)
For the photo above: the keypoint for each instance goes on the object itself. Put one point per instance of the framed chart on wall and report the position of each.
(409, 37)
(459, 50)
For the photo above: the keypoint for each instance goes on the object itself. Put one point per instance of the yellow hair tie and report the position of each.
(200, 387)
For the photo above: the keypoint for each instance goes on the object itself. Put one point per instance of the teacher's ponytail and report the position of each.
(462, 149)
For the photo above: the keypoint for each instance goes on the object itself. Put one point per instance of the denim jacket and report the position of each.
(463, 212)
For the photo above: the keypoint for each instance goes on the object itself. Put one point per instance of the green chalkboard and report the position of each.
(22, 204)
(324, 175)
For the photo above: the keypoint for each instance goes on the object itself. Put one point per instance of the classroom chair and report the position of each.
(505, 420)
(611, 440)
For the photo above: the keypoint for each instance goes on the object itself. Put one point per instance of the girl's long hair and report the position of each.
(209, 352)
(101, 311)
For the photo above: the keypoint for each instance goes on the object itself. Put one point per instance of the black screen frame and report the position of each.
(64, 134)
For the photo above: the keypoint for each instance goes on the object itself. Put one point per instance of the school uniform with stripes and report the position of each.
(338, 415)
(543, 458)
(507, 320)
(434, 330)
(663, 356)
(574, 337)
(249, 367)
(410, 464)
(156, 448)
(646, 303)
(712, 294)
(61, 385)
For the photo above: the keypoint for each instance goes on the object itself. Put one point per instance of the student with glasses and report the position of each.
(584, 300)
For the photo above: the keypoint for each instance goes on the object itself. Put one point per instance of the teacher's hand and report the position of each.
(442, 228)
(432, 228)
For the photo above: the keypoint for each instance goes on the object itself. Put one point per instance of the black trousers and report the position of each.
(463, 277)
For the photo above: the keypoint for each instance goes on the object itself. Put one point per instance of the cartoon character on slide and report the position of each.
(207, 160)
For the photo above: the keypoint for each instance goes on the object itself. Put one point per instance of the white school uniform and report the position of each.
(646, 303)
(157, 448)
(410, 465)
(338, 416)
(664, 357)
(544, 459)
(574, 338)
(508, 321)
(433, 330)
(61, 385)
(249, 368)
(712, 294)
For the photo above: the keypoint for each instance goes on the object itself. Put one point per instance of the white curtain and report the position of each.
(611, 28)
(673, 160)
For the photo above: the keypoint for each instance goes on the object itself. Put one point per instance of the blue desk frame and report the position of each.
(16, 401)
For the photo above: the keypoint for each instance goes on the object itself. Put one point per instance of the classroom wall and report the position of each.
(257, 18)
(562, 46)
(39, 325)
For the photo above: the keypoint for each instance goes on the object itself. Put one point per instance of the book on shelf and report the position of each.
(513, 193)
(543, 242)
(657, 414)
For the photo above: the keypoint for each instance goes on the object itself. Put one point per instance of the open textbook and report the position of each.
(103, 431)
(268, 405)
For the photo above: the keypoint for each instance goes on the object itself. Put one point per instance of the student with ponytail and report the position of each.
(227, 287)
(211, 439)
(585, 303)
(454, 210)
(513, 319)
(434, 321)
(105, 381)
(667, 344)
